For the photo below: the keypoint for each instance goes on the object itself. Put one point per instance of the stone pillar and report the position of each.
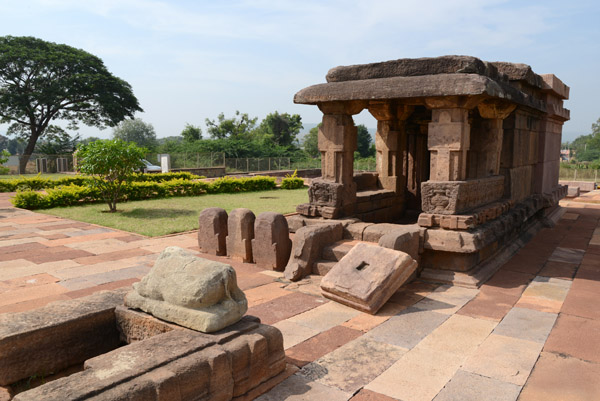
(486, 142)
(334, 194)
(390, 143)
(448, 142)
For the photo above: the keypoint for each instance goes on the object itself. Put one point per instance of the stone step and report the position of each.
(322, 267)
(337, 250)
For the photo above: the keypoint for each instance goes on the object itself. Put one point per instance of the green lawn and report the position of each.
(166, 216)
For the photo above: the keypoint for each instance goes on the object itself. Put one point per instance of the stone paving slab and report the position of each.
(298, 388)
(437, 342)
(560, 378)
(504, 358)
(320, 345)
(407, 328)
(527, 324)
(545, 294)
(466, 386)
(418, 376)
(354, 365)
(576, 336)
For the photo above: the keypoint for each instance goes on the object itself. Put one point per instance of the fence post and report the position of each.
(575, 178)
(247, 165)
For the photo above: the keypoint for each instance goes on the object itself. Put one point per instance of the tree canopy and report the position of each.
(191, 133)
(138, 131)
(587, 147)
(364, 140)
(281, 129)
(111, 164)
(41, 82)
(238, 126)
(310, 142)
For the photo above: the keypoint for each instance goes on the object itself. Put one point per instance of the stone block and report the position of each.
(271, 245)
(180, 364)
(356, 230)
(240, 232)
(374, 232)
(453, 197)
(367, 277)
(137, 326)
(573, 192)
(190, 291)
(57, 336)
(405, 239)
(212, 231)
(306, 248)
(365, 181)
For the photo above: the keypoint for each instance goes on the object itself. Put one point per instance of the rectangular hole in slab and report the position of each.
(362, 265)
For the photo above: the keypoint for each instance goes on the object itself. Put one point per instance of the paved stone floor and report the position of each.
(532, 332)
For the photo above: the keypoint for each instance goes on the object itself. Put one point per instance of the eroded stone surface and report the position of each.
(306, 248)
(271, 245)
(367, 277)
(190, 291)
(57, 336)
(212, 231)
(240, 232)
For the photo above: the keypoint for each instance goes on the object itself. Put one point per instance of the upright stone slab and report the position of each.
(271, 245)
(367, 277)
(306, 248)
(240, 229)
(190, 291)
(212, 231)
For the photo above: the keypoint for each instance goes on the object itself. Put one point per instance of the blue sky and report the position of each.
(191, 60)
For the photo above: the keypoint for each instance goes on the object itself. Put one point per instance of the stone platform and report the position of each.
(528, 333)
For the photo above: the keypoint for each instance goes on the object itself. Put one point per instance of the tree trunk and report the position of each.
(28, 151)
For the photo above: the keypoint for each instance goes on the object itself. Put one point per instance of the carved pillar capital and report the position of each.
(494, 109)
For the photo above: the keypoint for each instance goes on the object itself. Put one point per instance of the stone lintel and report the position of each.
(553, 84)
(454, 197)
(414, 88)
(350, 107)
(495, 109)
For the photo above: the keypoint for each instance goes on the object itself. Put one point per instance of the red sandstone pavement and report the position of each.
(532, 332)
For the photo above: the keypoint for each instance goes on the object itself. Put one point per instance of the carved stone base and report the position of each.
(454, 197)
(468, 221)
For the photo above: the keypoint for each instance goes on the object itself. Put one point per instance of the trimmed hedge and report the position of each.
(69, 195)
(292, 181)
(37, 183)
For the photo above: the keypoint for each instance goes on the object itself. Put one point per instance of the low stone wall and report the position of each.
(159, 361)
(584, 186)
(208, 172)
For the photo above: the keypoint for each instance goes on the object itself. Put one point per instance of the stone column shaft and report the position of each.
(448, 142)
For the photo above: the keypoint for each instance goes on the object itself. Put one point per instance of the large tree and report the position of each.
(41, 82)
(280, 128)
(364, 140)
(239, 126)
(191, 133)
(311, 142)
(138, 131)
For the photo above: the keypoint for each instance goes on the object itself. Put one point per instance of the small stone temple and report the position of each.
(469, 147)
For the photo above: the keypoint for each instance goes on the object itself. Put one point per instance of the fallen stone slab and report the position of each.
(367, 277)
(271, 245)
(190, 291)
(212, 231)
(306, 248)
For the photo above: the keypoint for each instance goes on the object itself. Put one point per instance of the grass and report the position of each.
(172, 215)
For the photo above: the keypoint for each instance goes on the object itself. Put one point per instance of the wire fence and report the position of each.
(575, 174)
(39, 163)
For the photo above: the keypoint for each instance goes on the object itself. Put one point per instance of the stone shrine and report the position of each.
(470, 147)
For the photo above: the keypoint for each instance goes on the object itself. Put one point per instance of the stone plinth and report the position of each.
(180, 364)
(453, 197)
(193, 292)
(271, 245)
(212, 231)
(367, 277)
